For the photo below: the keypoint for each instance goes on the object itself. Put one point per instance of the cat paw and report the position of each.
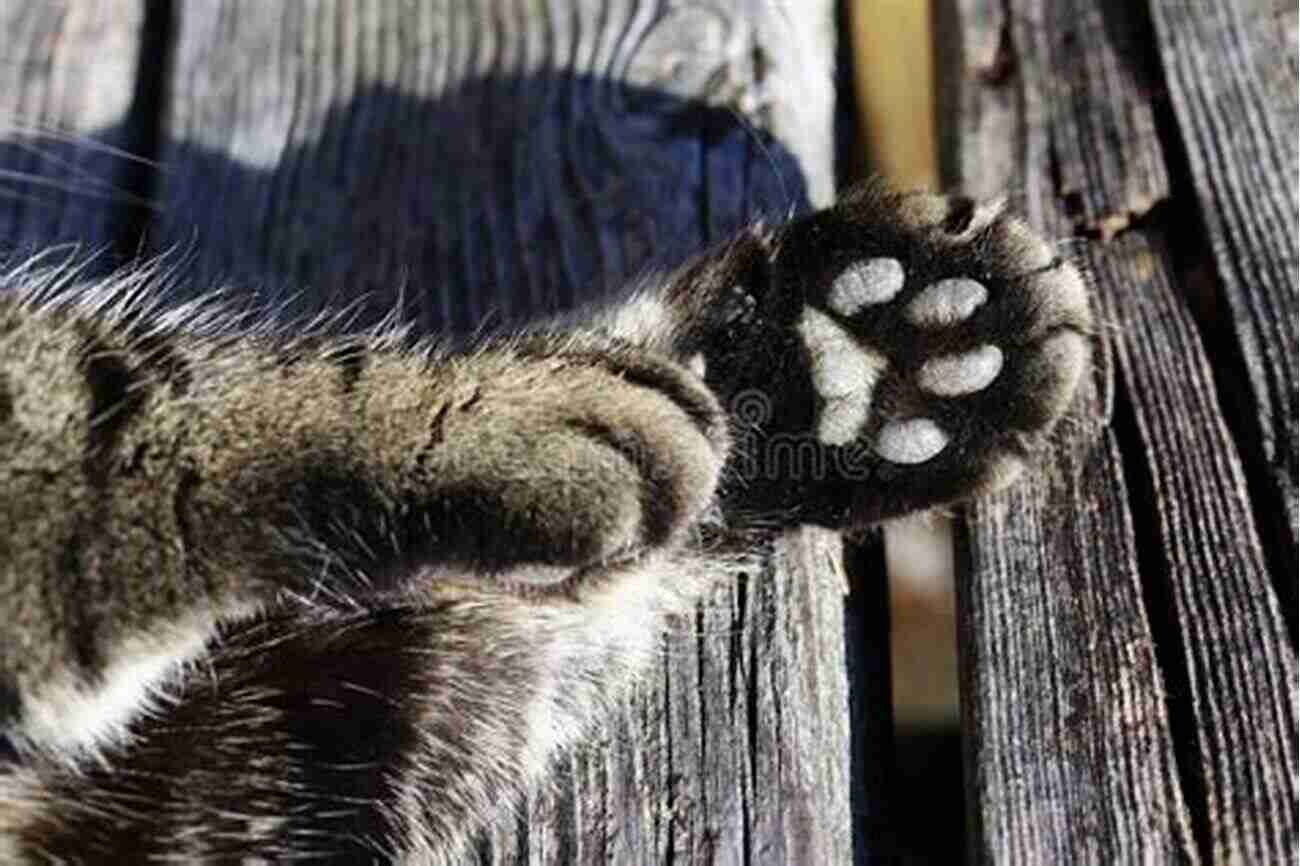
(905, 351)
(569, 456)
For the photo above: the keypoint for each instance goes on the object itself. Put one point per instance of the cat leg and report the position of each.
(391, 736)
(163, 480)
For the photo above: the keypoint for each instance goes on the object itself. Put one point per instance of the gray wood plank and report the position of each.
(1232, 671)
(67, 83)
(1068, 749)
(1115, 613)
(1230, 69)
(508, 158)
(498, 154)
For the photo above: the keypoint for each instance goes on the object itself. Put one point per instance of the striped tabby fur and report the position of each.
(275, 597)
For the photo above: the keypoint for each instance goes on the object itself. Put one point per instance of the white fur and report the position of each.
(954, 375)
(946, 302)
(844, 374)
(1063, 289)
(1033, 251)
(874, 281)
(643, 319)
(72, 719)
(625, 615)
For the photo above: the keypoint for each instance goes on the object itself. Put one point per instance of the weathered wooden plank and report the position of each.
(1230, 69)
(1096, 113)
(1069, 755)
(1111, 617)
(481, 153)
(1232, 671)
(1068, 750)
(67, 83)
(458, 159)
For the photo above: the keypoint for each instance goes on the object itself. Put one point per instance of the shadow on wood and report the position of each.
(456, 210)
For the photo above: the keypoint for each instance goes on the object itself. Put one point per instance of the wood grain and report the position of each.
(1115, 613)
(479, 162)
(465, 161)
(893, 84)
(1230, 73)
(1068, 744)
(1231, 672)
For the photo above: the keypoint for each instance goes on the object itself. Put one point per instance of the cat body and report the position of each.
(302, 596)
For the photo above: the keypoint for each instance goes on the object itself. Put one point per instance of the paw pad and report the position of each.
(875, 281)
(909, 350)
(910, 442)
(844, 374)
(946, 302)
(942, 339)
(967, 373)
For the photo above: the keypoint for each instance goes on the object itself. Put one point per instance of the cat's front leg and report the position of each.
(162, 480)
(522, 462)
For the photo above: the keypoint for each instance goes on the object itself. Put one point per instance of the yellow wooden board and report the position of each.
(894, 77)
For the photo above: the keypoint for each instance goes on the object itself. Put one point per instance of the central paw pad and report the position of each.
(875, 281)
(844, 374)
